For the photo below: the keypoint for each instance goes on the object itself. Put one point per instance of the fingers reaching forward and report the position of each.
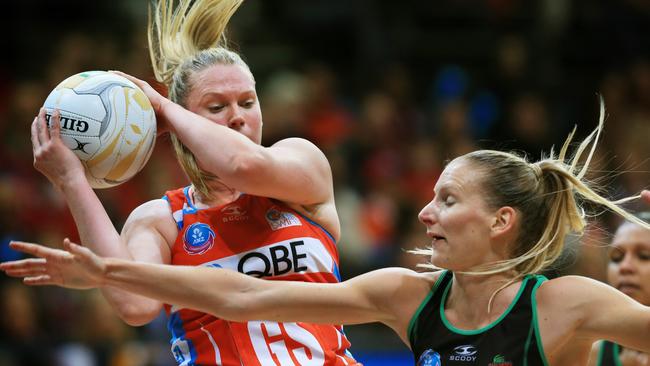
(75, 267)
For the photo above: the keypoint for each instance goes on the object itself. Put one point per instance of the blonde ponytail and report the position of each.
(179, 32)
(549, 195)
(184, 39)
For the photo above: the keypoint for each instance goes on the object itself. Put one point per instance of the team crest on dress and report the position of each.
(429, 358)
(281, 219)
(198, 238)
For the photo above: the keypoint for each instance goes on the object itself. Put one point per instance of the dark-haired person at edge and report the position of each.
(629, 272)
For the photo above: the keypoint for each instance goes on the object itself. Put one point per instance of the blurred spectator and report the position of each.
(328, 122)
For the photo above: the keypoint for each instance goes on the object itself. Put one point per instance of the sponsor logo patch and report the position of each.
(280, 219)
(466, 352)
(198, 238)
(296, 255)
(233, 213)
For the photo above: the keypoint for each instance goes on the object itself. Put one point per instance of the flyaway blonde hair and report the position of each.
(186, 37)
(548, 194)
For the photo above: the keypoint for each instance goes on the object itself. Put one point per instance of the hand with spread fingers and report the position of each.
(51, 157)
(75, 267)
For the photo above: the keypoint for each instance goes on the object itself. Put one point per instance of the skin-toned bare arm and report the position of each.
(238, 297)
(65, 172)
(232, 295)
(596, 311)
(614, 316)
(593, 354)
(292, 170)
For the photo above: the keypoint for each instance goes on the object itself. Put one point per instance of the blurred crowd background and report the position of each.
(390, 91)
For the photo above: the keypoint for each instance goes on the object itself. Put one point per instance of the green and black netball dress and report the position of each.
(512, 340)
(608, 354)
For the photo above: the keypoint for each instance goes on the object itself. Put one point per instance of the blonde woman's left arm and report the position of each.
(599, 311)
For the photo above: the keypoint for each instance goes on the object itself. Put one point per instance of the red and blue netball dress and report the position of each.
(264, 238)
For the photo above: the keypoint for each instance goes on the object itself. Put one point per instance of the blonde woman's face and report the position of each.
(458, 220)
(629, 262)
(225, 94)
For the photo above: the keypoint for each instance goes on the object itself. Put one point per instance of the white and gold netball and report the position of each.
(108, 122)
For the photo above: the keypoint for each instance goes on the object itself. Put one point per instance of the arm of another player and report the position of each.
(237, 297)
(231, 295)
(64, 170)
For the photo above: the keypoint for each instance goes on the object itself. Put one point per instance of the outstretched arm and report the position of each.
(234, 296)
(230, 295)
(145, 226)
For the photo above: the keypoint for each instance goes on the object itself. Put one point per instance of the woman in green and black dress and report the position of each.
(495, 221)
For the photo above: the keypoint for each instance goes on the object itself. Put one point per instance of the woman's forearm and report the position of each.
(209, 290)
(233, 296)
(95, 227)
(217, 148)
